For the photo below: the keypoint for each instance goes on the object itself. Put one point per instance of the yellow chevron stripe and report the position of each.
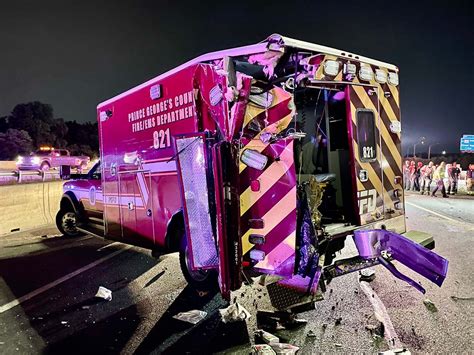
(268, 178)
(281, 253)
(271, 219)
(251, 111)
(395, 94)
(388, 109)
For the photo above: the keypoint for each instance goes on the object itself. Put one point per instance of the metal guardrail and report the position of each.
(21, 175)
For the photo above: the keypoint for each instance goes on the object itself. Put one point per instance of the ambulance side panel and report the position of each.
(139, 174)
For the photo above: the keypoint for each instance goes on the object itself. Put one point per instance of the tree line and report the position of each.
(31, 125)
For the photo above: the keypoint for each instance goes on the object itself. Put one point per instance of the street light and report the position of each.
(422, 141)
(443, 152)
(429, 149)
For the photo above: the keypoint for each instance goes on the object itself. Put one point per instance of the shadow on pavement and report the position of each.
(172, 336)
(67, 318)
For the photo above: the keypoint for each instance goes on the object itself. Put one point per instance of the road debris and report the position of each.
(104, 293)
(266, 337)
(284, 348)
(311, 334)
(338, 321)
(194, 316)
(338, 345)
(430, 306)
(378, 330)
(456, 298)
(262, 349)
(367, 275)
(234, 313)
(396, 352)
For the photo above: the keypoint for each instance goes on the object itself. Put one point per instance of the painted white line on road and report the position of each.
(47, 287)
(382, 315)
(435, 213)
(108, 245)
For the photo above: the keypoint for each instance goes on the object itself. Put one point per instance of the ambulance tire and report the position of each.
(66, 221)
(200, 280)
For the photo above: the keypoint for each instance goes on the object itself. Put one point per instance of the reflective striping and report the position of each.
(269, 177)
(251, 111)
(272, 218)
(395, 94)
(281, 253)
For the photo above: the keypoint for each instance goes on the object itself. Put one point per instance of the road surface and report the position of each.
(48, 283)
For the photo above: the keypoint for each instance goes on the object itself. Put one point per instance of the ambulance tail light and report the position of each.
(195, 191)
(331, 67)
(254, 159)
(366, 73)
(393, 78)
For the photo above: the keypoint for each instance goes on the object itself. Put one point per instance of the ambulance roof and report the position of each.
(274, 41)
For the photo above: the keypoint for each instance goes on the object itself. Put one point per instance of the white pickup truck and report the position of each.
(45, 159)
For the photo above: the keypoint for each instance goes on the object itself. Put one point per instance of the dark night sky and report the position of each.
(75, 54)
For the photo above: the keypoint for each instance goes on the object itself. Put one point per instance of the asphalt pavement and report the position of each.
(48, 283)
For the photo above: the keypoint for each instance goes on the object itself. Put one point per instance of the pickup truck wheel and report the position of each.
(44, 166)
(66, 221)
(201, 280)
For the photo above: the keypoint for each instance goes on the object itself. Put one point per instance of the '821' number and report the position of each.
(161, 139)
(368, 152)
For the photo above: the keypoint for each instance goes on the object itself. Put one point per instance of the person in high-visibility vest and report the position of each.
(438, 176)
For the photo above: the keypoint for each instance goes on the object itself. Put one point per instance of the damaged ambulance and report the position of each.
(262, 159)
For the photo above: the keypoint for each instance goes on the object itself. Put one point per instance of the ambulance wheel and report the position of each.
(201, 280)
(66, 221)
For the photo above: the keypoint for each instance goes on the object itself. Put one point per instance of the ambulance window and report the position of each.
(366, 135)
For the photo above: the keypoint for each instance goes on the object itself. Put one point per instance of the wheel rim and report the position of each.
(197, 275)
(69, 223)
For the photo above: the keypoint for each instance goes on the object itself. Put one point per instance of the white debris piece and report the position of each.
(262, 349)
(267, 337)
(194, 316)
(284, 349)
(104, 293)
(234, 313)
(396, 352)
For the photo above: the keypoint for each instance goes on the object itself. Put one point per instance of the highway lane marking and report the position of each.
(382, 316)
(436, 213)
(55, 283)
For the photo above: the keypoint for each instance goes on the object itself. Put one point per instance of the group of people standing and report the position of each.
(418, 177)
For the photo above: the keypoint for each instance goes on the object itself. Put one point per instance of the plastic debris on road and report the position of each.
(284, 348)
(234, 313)
(194, 316)
(266, 337)
(262, 349)
(104, 293)
(396, 352)
(430, 305)
(367, 275)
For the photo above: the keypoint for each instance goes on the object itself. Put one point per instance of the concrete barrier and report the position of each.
(7, 165)
(28, 206)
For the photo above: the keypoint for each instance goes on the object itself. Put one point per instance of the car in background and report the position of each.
(47, 158)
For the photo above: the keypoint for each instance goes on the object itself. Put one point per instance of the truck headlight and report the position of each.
(35, 160)
(19, 160)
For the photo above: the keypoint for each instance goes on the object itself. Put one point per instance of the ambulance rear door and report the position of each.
(364, 129)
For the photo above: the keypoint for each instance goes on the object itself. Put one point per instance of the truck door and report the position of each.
(136, 211)
(364, 127)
